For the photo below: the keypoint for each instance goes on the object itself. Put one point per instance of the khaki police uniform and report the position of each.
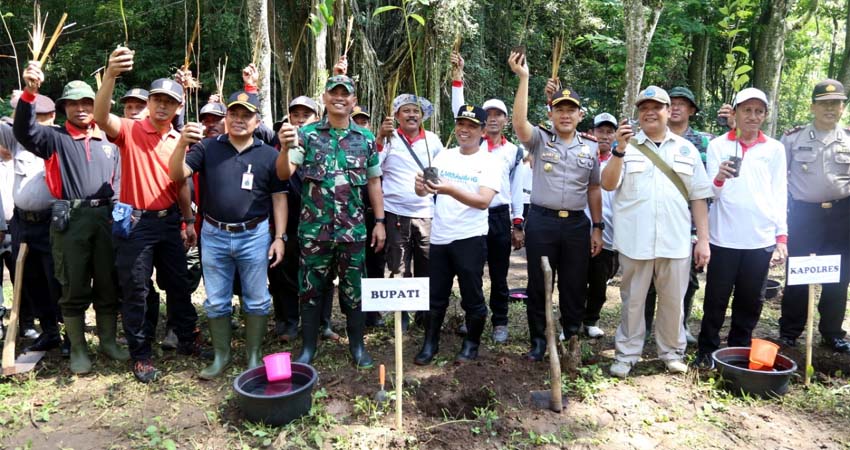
(818, 221)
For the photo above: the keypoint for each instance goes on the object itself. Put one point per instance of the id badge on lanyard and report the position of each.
(248, 179)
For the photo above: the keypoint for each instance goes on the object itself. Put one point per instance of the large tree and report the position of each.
(258, 23)
(640, 18)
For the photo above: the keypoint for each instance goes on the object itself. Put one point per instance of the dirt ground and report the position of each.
(480, 405)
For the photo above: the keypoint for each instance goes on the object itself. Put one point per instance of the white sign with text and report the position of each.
(814, 269)
(395, 294)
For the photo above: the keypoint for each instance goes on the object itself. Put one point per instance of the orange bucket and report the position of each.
(762, 354)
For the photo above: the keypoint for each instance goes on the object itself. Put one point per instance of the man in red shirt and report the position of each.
(155, 237)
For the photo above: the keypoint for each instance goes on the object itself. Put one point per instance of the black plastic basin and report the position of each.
(275, 403)
(732, 364)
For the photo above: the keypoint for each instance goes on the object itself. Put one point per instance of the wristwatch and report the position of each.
(519, 224)
(382, 220)
(282, 237)
(600, 225)
(618, 154)
(188, 220)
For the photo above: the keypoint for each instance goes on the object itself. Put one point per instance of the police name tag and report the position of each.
(395, 294)
(814, 269)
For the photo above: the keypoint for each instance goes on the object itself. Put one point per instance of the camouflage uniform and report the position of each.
(700, 140)
(335, 165)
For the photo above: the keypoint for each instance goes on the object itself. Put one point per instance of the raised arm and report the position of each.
(178, 170)
(522, 126)
(457, 82)
(288, 136)
(29, 133)
(120, 61)
(614, 169)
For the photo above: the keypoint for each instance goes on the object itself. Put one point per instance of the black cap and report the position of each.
(249, 100)
(137, 93)
(215, 109)
(472, 113)
(829, 90)
(567, 95)
(360, 111)
(168, 87)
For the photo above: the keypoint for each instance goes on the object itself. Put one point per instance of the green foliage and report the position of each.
(325, 16)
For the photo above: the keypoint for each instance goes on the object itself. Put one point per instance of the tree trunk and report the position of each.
(258, 23)
(639, 21)
(770, 53)
(698, 64)
(319, 66)
(844, 72)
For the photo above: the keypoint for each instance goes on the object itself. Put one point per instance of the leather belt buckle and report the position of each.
(826, 205)
(234, 227)
(563, 214)
(161, 213)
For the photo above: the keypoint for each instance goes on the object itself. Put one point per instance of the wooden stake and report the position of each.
(809, 332)
(556, 402)
(348, 35)
(399, 383)
(12, 331)
(53, 38)
(557, 51)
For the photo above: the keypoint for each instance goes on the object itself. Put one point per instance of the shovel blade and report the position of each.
(24, 363)
(543, 400)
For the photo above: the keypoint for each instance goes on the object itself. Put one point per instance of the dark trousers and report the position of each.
(283, 285)
(602, 268)
(153, 242)
(83, 258)
(498, 261)
(26, 313)
(407, 243)
(693, 287)
(463, 259)
(743, 273)
(566, 241)
(812, 229)
(41, 290)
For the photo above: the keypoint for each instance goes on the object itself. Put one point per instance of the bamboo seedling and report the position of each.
(348, 36)
(54, 38)
(219, 78)
(557, 52)
(37, 34)
(124, 20)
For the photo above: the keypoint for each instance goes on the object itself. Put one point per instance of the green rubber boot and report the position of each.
(75, 327)
(255, 329)
(107, 329)
(220, 332)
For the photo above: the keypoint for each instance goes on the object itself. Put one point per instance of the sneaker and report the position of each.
(592, 331)
(620, 369)
(29, 333)
(500, 334)
(144, 371)
(704, 361)
(676, 366)
(45, 342)
(170, 340)
(561, 337)
(838, 345)
(328, 334)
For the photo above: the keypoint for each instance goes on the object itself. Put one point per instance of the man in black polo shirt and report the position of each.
(240, 187)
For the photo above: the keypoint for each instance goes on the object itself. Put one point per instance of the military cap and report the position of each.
(340, 80)
(828, 90)
(566, 95)
(683, 92)
(74, 90)
(248, 100)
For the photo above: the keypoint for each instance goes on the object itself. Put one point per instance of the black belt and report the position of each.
(563, 213)
(33, 216)
(824, 205)
(155, 213)
(236, 227)
(90, 202)
(500, 208)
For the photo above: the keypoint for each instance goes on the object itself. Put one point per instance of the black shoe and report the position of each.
(195, 347)
(786, 342)
(45, 342)
(838, 345)
(538, 350)
(144, 371)
(374, 320)
(704, 361)
(285, 333)
(469, 348)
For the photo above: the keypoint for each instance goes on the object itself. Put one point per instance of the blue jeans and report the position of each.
(223, 253)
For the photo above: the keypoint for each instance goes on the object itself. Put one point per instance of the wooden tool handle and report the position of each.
(382, 375)
(12, 331)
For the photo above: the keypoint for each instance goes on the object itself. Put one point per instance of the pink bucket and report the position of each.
(278, 366)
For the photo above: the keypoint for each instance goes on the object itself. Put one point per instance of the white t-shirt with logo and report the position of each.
(453, 220)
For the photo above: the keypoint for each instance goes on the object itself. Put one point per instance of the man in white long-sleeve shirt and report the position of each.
(505, 211)
(747, 223)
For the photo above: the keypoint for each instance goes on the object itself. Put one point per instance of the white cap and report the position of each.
(749, 94)
(495, 103)
(604, 118)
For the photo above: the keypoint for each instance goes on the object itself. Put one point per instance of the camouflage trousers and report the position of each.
(321, 261)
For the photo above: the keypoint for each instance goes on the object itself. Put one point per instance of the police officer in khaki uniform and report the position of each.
(819, 212)
(566, 179)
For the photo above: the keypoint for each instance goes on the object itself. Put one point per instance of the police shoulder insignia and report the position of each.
(588, 136)
(545, 127)
(794, 130)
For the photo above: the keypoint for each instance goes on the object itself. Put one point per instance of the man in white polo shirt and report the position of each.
(747, 224)
(656, 175)
(404, 152)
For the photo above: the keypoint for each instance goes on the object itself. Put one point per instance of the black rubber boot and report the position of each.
(431, 345)
(310, 314)
(537, 332)
(255, 329)
(220, 332)
(469, 348)
(355, 324)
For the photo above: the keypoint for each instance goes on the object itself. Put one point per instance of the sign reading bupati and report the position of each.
(814, 269)
(395, 294)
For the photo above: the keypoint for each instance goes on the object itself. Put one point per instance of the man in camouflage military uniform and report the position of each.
(337, 159)
(818, 158)
(683, 105)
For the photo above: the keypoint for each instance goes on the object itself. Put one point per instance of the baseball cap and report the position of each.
(566, 95)
(168, 87)
(249, 100)
(604, 118)
(653, 93)
(495, 103)
(829, 90)
(137, 93)
(304, 101)
(683, 92)
(472, 113)
(43, 104)
(215, 109)
(74, 90)
(340, 80)
(360, 111)
(411, 99)
(749, 94)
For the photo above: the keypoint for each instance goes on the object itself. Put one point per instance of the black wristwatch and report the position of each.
(188, 220)
(282, 237)
(600, 225)
(519, 224)
(382, 220)
(618, 154)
